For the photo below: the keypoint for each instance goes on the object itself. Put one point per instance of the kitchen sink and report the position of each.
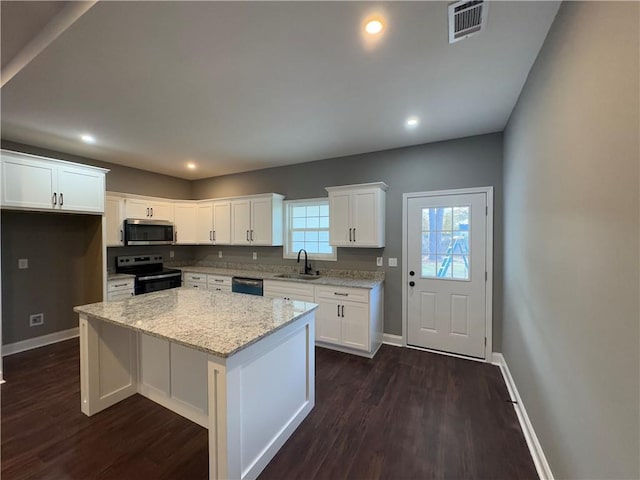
(298, 276)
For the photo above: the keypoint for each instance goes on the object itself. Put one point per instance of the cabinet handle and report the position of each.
(176, 237)
(247, 235)
(342, 311)
(354, 234)
(341, 294)
(252, 235)
(218, 280)
(120, 285)
(55, 198)
(214, 235)
(121, 236)
(147, 211)
(61, 199)
(152, 211)
(350, 234)
(338, 309)
(211, 235)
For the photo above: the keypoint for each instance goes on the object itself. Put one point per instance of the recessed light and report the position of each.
(86, 138)
(373, 27)
(412, 122)
(191, 166)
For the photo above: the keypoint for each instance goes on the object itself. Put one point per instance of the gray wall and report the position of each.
(120, 178)
(467, 162)
(62, 256)
(571, 242)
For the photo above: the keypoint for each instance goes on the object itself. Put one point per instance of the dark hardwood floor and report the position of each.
(405, 414)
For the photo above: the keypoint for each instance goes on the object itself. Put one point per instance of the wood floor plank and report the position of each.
(404, 414)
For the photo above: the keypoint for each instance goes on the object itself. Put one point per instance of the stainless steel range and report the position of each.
(151, 276)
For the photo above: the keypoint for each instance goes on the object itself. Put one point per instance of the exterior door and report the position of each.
(446, 272)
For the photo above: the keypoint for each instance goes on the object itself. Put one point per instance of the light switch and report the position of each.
(393, 262)
(219, 253)
(23, 263)
(172, 254)
(379, 261)
(255, 255)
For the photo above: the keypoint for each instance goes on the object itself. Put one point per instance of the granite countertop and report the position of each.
(119, 276)
(352, 279)
(218, 323)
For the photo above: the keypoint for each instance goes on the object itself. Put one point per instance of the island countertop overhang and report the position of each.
(217, 323)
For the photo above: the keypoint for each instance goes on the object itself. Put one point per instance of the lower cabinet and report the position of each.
(347, 319)
(219, 283)
(120, 289)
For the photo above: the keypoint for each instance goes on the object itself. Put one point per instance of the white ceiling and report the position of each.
(238, 86)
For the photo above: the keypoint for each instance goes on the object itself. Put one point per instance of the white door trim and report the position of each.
(488, 350)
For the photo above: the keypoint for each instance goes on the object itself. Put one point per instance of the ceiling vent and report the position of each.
(466, 19)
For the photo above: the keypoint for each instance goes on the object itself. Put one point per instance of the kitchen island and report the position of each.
(239, 365)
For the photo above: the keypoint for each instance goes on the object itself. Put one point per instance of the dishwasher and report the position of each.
(250, 286)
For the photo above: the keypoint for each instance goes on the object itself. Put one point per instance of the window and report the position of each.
(445, 242)
(307, 226)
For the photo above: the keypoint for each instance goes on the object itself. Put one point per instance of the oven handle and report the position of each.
(156, 277)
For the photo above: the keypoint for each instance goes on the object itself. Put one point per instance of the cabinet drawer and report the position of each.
(218, 281)
(200, 285)
(119, 295)
(341, 293)
(276, 288)
(219, 288)
(117, 285)
(195, 277)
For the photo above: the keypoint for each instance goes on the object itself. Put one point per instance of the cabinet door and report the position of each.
(185, 220)
(80, 189)
(119, 295)
(261, 222)
(355, 325)
(240, 222)
(339, 213)
(222, 223)
(364, 218)
(204, 221)
(161, 211)
(28, 183)
(114, 213)
(328, 322)
(136, 208)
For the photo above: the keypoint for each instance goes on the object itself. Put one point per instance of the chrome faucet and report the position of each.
(307, 265)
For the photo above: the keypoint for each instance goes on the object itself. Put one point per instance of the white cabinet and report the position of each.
(194, 280)
(114, 214)
(357, 215)
(203, 281)
(349, 318)
(302, 292)
(185, 223)
(257, 220)
(38, 183)
(120, 289)
(151, 209)
(214, 222)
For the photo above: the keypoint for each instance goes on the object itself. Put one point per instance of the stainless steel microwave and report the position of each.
(148, 232)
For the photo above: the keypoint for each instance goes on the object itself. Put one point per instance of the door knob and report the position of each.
(412, 273)
(412, 284)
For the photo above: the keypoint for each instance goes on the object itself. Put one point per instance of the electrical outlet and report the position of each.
(36, 319)
(393, 262)
(219, 253)
(172, 254)
(23, 263)
(379, 261)
(255, 255)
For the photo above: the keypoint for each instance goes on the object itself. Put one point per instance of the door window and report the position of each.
(445, 242)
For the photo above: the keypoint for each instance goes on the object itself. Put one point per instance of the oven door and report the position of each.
(153, 283)
(147, 232)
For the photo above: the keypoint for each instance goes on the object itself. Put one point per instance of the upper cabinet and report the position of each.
(148, 209)
(257, 220)
(36, 183)
(357, 214)
(214, 222)
(114, 215)
(186, 223)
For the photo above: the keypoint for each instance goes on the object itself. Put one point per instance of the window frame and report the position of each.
(287, 242)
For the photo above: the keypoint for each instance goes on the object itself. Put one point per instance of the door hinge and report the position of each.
(486, 276)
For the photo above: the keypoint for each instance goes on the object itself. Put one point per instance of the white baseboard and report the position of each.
(41, 341)
(542, 466)
(390, 339)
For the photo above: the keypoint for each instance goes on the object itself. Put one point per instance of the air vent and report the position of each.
(466, 19)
